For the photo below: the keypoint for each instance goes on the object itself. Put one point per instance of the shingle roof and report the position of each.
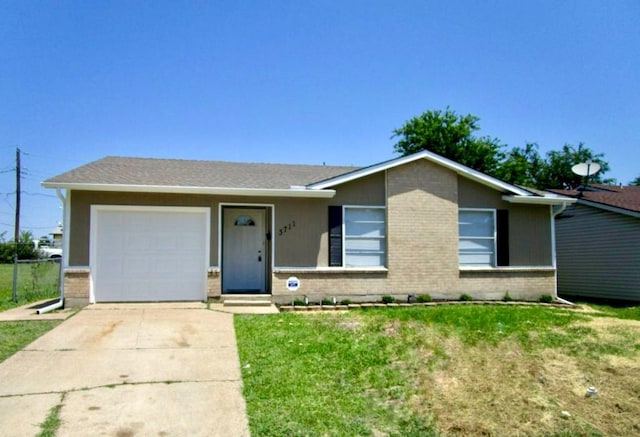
(116, 170)
(115, 173)
(625, 197)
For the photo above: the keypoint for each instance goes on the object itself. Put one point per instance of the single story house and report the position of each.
(139, 229)
(598, 241)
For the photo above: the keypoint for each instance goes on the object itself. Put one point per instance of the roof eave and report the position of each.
(610, 208)
(538, 200)
(228, 191)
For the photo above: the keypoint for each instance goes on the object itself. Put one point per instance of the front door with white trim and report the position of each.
(244, 250)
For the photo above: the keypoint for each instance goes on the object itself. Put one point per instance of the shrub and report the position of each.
(506, 297)
(25, 248)
(326, 301)
(298, 302)
(546, 298)
(465, 297)
(388, 299)
(346, 302)
(423, 298)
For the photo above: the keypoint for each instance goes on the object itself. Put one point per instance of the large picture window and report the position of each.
(364, 237)
(477, 237)
(357, 236)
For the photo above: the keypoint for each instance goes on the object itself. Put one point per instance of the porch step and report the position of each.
(247, 300)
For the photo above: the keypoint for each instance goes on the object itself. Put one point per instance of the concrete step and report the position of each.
(247, 303)
(246, 300)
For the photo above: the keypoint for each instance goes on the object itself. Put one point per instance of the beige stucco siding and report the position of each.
(306, 243)
(475, 195)
(298, 231)
(530, 235)
(529, 225)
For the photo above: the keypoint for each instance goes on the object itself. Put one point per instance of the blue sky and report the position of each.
(303, 81)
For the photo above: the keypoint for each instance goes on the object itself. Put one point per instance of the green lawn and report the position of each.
(443, 370)
(16, 335)
(35, 282)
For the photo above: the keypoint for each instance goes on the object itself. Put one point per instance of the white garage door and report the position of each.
(149, 254)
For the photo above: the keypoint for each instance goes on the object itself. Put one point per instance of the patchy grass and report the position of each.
(445, 370)
(629, 312)
(16, 335)
(52, 422)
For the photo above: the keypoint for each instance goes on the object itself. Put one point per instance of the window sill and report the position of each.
(330, 270)
(507, 269)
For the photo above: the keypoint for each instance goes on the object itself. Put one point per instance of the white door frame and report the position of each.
(269, 230)
(94, 228)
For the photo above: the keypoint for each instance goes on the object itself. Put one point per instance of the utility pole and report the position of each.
(16, 231)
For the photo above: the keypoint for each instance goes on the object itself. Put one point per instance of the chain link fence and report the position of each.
(35, 280)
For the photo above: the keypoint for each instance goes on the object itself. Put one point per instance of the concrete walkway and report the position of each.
(28, 312)
(125, 370)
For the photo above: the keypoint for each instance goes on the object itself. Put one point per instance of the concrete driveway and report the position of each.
(126, 370)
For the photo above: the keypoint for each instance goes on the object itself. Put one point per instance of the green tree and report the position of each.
(556, 171)
(636, 181)
(522, 166)
(452, 136)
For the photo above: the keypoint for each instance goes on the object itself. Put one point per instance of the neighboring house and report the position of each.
(598, 240)
(56, 233)
(140, 229)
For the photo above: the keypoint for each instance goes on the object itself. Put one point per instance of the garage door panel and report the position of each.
(152, 255)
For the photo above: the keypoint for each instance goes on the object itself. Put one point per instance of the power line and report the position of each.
(39, 194)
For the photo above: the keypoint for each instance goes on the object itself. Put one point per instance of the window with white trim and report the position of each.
(364, 236)
(477, 237)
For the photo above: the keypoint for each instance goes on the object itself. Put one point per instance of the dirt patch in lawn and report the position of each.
(506, 390)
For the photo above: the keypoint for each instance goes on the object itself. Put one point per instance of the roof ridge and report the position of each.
(150, 158)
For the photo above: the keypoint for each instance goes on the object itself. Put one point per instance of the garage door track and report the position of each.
(126, 370)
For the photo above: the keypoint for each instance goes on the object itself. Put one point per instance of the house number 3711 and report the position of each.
(288, 227)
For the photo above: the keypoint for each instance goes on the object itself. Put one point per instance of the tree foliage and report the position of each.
(636, 181)
(557, 173)
(452, 136)
(522, 166)
(24, 246)
(525, 166)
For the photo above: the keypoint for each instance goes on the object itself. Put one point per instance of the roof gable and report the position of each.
(430, 156)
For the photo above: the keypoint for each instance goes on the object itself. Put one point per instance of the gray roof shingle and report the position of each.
(116, 170)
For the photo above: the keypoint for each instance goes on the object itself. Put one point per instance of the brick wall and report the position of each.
(521, 284)
(358, 286)
(76, 287)
(422, 217)
(214, 286)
